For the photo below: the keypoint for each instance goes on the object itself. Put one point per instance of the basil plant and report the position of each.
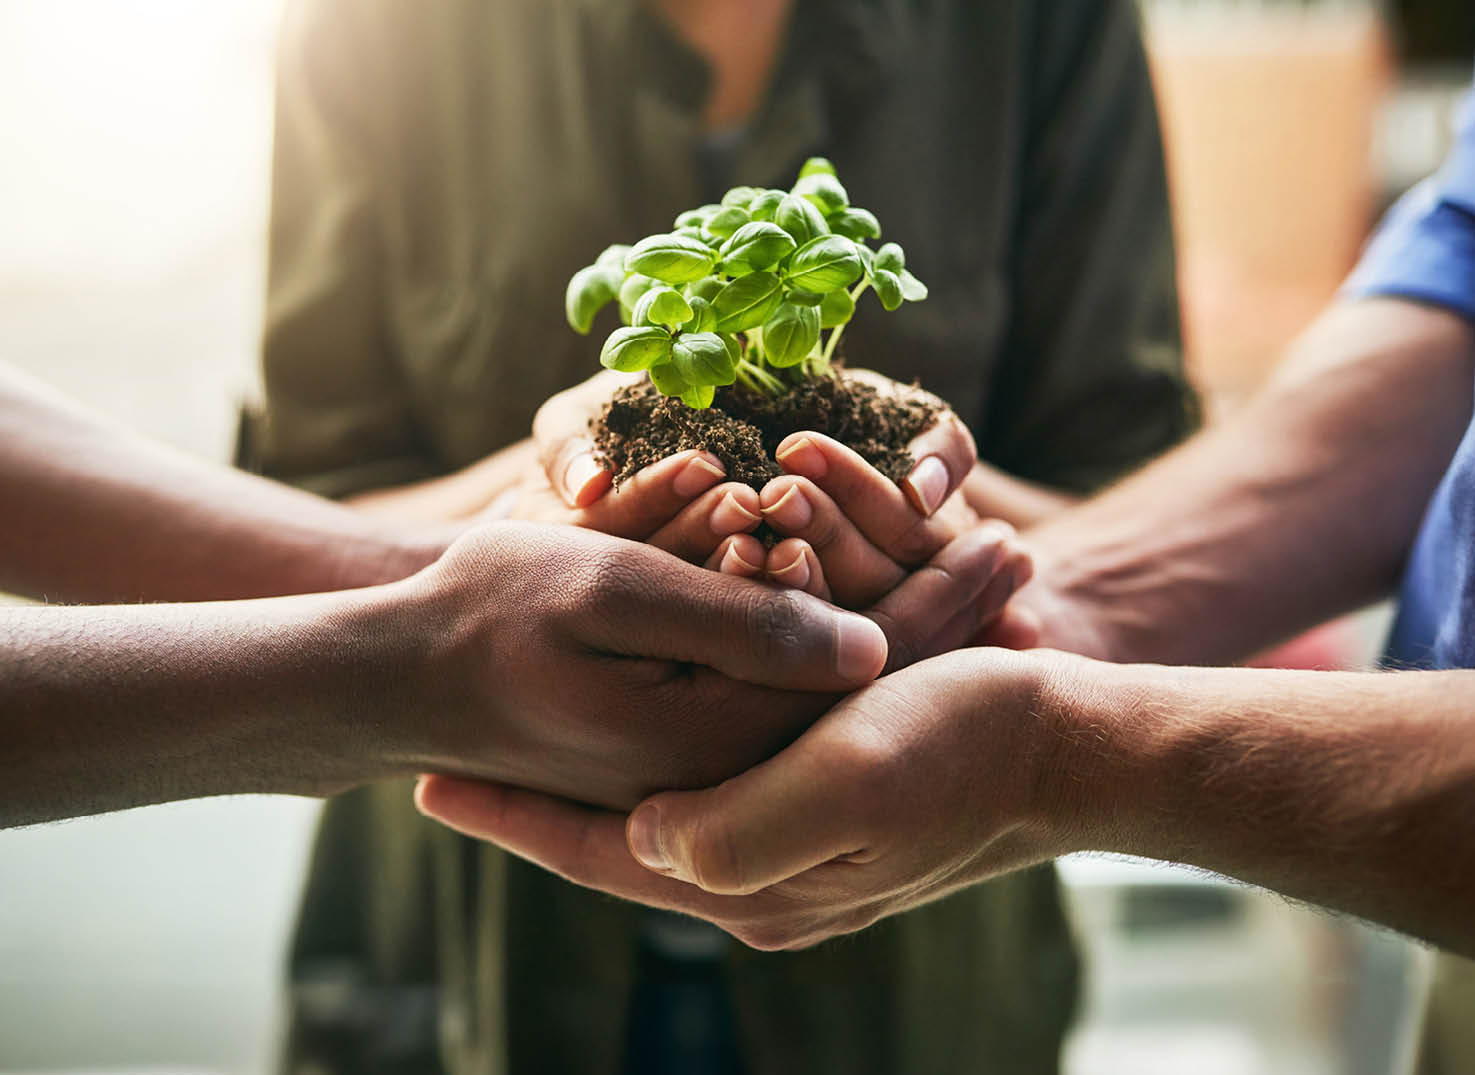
(743, 291)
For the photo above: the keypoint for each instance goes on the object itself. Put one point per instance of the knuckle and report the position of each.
(778, 624)
(915, 543)
(609, 579)
(713, 858)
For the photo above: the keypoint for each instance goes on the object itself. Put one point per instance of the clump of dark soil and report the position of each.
(640, 426)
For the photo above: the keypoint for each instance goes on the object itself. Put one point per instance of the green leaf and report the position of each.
(634, 286)
(825, 191)
(662, 306)
(702, 358)
(700, 397)
(867, 257)
(816, 166)
(912, 289)
(703, 317)
(691, 232)
(726, 221)
(695, 218)
(636, 348)
(706, 288)
(734, 348)
(888, 287)
(766, 204)
(613, 257)
(836, 309)
(825, 263)
(759, 244)
(667, 381)
(747, 301)
(672, 259)
(857, 224)
(891, 258)
(803, 298)
(740, 197)
(589, 291)
(790, 334)
(798, 216)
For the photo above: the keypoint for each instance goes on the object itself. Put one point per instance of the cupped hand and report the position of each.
(680, 504)
(573, 662)
(927, 781)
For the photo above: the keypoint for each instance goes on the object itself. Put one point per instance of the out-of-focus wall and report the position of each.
(133, 182)
(1269, 111)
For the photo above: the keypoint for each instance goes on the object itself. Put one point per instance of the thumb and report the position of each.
(769, 824)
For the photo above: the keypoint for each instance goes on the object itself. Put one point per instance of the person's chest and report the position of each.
(540, 133)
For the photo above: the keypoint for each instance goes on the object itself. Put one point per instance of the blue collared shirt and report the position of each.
(1425, 251)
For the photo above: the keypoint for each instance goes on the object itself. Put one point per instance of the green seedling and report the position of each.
(754, 291)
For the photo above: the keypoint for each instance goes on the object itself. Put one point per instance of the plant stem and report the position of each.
(759, 379)
(835, 333)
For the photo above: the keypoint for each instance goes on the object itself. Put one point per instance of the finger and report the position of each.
(641, 602)
(945, 455)
(1015, 628)
(560, 430)
(874, 503)
(858, 573)
(578, 843)
(792, 563)
(741, 556)
(653, 496)
(968, 625)
(698, 528)
(742, 837)
(916, 612)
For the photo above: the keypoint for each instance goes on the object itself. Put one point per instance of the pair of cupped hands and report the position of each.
(832, 767)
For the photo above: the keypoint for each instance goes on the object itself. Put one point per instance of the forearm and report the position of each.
(992, 494)
(112, 707)
(466, 493)
(1302, 506)
(1355, 791)
(95, 513)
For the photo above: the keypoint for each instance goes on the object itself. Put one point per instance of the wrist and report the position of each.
(380, 558)
(1095, 773)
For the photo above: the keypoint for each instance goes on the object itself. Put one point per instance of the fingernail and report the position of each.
(926, 485)
(734, 564)
(643, 834)
(860, 651)
(792, 512)
(730, 517)
(581, 470)
(795, 575)
(697, 476)
(803, 457)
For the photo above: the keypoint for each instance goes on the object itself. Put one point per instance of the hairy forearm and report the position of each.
(95, 513)
(110, 707)
(1355, 791)
(1301, 506)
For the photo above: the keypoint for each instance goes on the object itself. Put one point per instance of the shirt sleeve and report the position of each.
(336, 415)
(1424, 250)
(1093, 383)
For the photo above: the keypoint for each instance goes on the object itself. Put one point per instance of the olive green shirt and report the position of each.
(441, 169)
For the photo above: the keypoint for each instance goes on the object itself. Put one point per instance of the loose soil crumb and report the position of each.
(741, 428)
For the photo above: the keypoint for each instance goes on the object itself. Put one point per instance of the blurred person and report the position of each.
(1351, 475)
(440, 172)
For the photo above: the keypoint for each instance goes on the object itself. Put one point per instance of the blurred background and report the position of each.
(134, 143)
